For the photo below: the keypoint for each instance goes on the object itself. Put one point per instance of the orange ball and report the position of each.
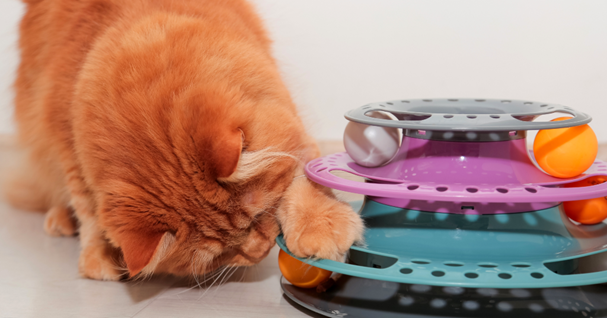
(565, 152)
(299, 273)
(591, 211)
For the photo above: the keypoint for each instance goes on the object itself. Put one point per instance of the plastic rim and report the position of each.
(466, 115)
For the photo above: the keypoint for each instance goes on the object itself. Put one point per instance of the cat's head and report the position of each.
(197, 187)
(188, 140)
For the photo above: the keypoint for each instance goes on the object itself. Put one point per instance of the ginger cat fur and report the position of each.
(161, 131)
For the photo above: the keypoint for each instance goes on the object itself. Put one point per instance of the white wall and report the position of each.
(341, 54)
(10, 13)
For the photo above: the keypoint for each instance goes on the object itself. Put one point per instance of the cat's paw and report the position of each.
(97, 263)
(328, 231)
(59, 222)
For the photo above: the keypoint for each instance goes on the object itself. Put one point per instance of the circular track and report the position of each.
(319, 171)
(467, 115)
(538, 249)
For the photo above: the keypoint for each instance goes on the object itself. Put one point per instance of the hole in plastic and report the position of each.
(521, 265)
(495, 116)
(525, 117)
(502, 190)
(472, 190)
(547, 117)
(420, 261)
(471, 275)
(380, 114)
(367, 259)
(413, 187)
(448, 116)
(504, 275)
(438, 273)
(582, 265)
(531, 190)
(471, 116)
(441, 189)
(537, 275)
(487, 265)
(407, 116)
(454, 264)
(406, 270)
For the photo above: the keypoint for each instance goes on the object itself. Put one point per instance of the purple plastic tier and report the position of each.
(465, 207)
(443, 176)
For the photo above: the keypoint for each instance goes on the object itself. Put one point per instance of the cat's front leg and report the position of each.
(98, 259)
(315, 223)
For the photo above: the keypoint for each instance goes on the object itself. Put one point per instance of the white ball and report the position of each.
(371, 146)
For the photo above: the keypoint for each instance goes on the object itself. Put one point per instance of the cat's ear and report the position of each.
(139, 248)
(226, 149)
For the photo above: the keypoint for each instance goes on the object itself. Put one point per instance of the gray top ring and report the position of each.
(467, 115)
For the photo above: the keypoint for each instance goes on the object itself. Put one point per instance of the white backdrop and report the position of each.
(10, 13)
(340, 54)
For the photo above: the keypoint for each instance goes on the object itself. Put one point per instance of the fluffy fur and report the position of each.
(164, 129)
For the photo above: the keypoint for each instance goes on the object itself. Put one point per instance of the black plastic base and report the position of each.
(354, 297)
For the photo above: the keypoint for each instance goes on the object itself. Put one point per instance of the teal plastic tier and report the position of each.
(539, 249)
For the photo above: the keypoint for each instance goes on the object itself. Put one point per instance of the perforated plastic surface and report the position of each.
(491, 251)
(466, 115)
(456, 171)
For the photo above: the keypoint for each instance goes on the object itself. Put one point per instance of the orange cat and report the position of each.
(165, 129)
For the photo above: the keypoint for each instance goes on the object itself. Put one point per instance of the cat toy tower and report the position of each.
(459, 217)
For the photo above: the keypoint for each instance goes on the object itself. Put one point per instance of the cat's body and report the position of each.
(165, 128)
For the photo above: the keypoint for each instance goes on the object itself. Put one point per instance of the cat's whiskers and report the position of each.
(193, 267)
(213, 283)
(244, 271)
(200, 283)
(225, 279)
(199, 264)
